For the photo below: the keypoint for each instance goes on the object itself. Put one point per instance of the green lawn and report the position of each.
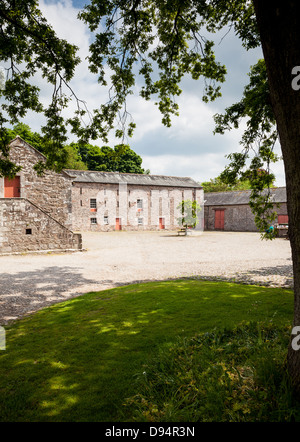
(77, 360)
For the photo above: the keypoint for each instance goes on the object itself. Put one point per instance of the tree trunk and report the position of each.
(278, 24)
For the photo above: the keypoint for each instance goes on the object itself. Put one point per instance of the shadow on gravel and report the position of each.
(276, 276)
(25, 292)
(283, 270)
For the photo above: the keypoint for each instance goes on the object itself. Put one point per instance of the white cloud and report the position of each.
(199, 167)
(195, 118)
(189, 147)
(63, 18)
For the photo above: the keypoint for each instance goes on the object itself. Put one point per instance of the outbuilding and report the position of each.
(230, 211)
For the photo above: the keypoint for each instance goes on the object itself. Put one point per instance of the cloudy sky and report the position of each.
(189, 147)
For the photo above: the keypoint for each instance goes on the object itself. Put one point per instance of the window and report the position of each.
(93, 203)
(139, 203)
(93, 220)
(12, 187)
(105, 219)
(140, 221)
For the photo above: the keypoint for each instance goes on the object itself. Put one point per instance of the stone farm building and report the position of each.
(42, 212)
(230, 211)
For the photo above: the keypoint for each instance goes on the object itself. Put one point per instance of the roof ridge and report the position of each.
(245, 190)
(241, 197)
(89, 176)
(129, 173)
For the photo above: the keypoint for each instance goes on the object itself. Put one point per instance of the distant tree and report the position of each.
(25, 132)
(118, 159)
(189, 214)
(91, 155)
(74, 160)
(249, 177)
(123, 159)
(217, 185)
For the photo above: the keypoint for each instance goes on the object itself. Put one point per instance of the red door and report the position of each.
(219, 219)
(12, 187)
(283, 219)
(161, 223)
(118, 224)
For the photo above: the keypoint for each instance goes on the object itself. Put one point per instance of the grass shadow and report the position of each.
(77, 360)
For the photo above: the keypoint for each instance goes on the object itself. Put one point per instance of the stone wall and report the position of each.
(40, 217)
(25, 227)
(120, 201)
(51, 192)
(238, 218)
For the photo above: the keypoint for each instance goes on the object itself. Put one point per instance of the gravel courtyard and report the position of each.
(29, 282)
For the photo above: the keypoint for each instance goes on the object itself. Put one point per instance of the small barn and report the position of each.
(230, 211)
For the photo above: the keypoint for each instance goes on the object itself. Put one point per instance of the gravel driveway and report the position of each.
(29, 282)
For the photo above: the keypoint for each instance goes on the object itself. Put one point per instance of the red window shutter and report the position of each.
(12, 187)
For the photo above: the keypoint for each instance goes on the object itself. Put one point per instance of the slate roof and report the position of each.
(87, 176)
(240, 197)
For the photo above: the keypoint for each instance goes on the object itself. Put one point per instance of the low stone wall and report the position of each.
(25, 227)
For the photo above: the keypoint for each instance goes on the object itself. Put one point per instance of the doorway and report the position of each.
(161, 223)
(118, 224)
(219, 219)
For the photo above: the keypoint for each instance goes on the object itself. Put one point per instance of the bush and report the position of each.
(230, 375)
